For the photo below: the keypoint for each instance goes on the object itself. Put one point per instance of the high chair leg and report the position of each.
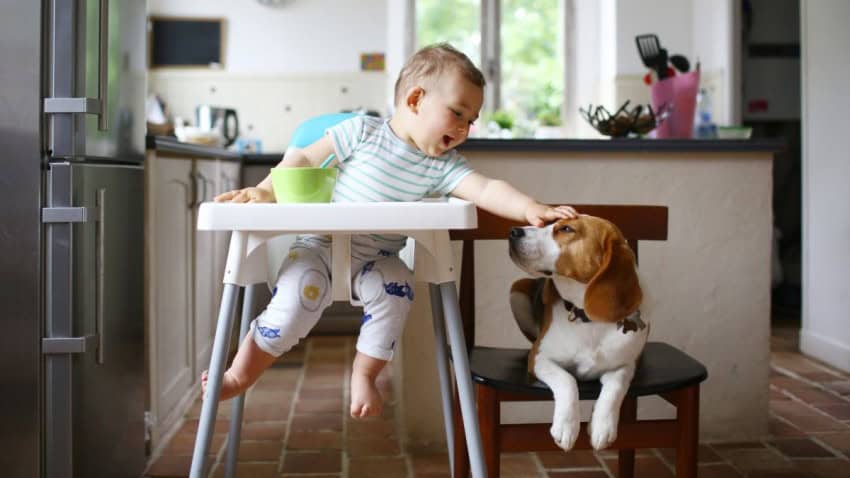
(218, 360)
(235, 432)
(443, 367)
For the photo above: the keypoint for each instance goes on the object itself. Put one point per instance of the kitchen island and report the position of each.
(707, 288)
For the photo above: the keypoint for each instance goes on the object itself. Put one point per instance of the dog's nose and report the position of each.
(517, 232)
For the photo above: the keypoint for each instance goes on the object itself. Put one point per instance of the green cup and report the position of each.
(297, 185)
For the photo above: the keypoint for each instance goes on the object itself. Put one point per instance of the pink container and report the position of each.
(680, 91)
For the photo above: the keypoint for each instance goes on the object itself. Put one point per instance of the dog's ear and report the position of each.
(528, 313)
(614, 292)
(549, 294)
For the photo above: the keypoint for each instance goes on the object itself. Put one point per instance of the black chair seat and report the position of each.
(661, 368)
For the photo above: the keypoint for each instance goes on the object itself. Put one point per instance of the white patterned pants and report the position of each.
(383, 283)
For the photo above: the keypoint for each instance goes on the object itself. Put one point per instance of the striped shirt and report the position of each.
(376, 165)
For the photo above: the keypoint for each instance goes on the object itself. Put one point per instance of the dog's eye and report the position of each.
(566, 229)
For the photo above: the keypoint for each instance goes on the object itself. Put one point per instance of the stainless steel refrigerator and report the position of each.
(72, 356)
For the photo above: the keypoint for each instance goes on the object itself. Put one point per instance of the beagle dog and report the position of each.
(582, 315)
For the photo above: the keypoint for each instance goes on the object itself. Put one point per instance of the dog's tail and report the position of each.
(527, 296)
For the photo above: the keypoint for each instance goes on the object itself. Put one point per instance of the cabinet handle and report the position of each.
(193, 201)
(205, 181)
(185, 188)
(99, 276)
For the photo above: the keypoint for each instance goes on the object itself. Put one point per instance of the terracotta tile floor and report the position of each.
(296, 425)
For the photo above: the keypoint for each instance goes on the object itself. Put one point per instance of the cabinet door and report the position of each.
(170, 230)
(206, 312)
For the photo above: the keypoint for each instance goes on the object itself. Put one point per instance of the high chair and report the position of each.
(500, 374)
(426, 223)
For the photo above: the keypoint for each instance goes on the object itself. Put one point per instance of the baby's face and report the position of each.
(447, 111)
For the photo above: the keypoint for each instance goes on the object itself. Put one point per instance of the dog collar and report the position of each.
(632, 323)
(574, 313)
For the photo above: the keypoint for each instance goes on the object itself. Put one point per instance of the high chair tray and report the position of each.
(366, 217)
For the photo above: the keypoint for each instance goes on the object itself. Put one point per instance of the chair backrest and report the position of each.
(308, 131)
(637, 222)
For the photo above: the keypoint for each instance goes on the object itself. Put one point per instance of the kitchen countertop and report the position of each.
(169, 144)
(624, 145)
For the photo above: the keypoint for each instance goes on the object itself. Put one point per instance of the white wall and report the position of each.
(269, 106)
(300, 36)
(826, 169)
(401, 40)
(716, 44)
(671, 20)
(587, 64)
(281, 64)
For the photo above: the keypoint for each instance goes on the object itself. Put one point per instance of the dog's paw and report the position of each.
(602, 430)
(565, 429)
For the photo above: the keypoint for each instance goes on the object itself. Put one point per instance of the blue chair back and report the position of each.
(311, 130)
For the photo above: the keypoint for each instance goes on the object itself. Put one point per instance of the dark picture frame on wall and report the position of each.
(184, 42)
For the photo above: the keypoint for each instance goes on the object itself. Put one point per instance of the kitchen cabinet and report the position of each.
(183, 274)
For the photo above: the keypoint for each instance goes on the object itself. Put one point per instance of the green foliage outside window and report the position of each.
(531, 50)
(454, 21)
(532, 58)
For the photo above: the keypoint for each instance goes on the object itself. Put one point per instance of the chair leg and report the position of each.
(687, 414)
(626, 460)
(460, 453)
(488, 420)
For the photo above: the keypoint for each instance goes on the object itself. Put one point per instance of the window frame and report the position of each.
(491, 51)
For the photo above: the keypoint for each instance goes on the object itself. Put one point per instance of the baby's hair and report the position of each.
(430, 62)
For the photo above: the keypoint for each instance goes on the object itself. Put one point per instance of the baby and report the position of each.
(438, 96)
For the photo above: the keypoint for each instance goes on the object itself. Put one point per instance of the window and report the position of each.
(519, 46)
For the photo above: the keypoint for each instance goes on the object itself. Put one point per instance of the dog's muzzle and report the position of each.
(515, 238)
(526, 251)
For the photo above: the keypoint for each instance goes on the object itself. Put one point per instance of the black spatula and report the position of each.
(651, 53)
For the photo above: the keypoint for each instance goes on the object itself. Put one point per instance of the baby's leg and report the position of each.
(386, 289)
(248, 364)
(301, 293)
(365, 398)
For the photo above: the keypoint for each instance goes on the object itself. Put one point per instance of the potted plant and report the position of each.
(500, 123)
(549, 125)
(546, 111)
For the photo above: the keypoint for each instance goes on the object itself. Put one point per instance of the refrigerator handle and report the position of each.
(100, 240)
(103, 66)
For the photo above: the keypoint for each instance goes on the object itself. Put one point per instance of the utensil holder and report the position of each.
(678, 96)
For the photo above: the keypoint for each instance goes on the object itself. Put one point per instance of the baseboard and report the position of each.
(825, 349)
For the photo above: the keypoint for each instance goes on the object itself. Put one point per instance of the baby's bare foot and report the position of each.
(230, 387)
(365, 399)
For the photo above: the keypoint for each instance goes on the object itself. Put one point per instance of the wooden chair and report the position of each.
(500, 374)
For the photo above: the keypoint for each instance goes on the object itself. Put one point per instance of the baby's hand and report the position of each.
(539, 214)
(252, 194)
